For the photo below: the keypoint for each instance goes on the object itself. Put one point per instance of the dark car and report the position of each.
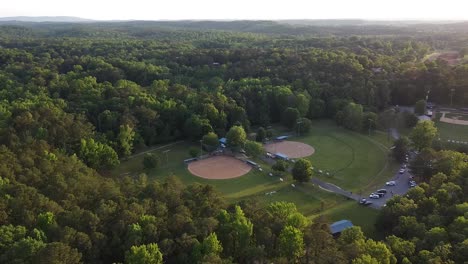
(380, 194)
(382, 191)
(364, 202)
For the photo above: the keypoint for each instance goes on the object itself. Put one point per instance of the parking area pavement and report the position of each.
(401, 188)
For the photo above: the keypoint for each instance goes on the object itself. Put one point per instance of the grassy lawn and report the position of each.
(360, 216)
(351, 159)
(355, 162)
(452, 131)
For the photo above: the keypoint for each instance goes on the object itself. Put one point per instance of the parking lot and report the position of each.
(401, 187)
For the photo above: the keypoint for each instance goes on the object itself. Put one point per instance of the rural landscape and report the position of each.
(300, 141)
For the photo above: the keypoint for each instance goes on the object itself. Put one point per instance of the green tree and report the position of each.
(401, 148)
(365, 259)
(353, 116)
(302, 170)
(369, 121)
(58, 253)
(144, 254)
(420, 107)
(210, 246)
(423, 134)
(289, 117)
(261, 134)
(125, 138)
(195, 127)
(235, 231)
(280, 165)
(98, 155)
(253, 148)
(291, 243)
(236, 137)
(151, 161)
(303, 125)
(210, 141)
(194, 152)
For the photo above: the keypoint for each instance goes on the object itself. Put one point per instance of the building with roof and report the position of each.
(338, 227)
(281, 137)
(281, 156)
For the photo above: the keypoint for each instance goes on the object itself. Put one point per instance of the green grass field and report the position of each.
(355, 161)
(451, 131)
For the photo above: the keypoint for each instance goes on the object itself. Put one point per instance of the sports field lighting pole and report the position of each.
(299, 128)
(451, 96)
(201, 148)
(167, 157)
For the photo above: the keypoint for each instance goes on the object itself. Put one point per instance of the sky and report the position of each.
(240, 9)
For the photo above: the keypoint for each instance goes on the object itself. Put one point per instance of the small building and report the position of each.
(251, 163)
(280, 138)
(338, 227)
(281, 156)
(223, 141)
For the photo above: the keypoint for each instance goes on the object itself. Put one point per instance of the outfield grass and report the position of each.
(351, 159)
(451, 131)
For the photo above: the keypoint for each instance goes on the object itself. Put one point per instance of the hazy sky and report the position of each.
(239, 9)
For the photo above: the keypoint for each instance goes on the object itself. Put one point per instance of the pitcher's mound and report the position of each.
(219, 167)
(292, 149)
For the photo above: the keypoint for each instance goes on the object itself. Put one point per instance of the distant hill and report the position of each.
(67, 19)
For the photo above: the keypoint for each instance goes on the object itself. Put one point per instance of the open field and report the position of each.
(355, 162)
(351, 159)
(451, 131)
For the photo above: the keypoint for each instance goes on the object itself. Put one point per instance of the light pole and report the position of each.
(201, 148)
(299, 127)
(167, 157)
(451, 96)
(370, 120)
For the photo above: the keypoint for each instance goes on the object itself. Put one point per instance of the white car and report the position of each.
(374, 196)
(402, 171)
(390, 183)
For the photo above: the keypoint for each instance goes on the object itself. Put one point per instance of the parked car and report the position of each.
(363, 201)
(412, 184)
(382, 191)
(374, 196)
(390, 183)
(402, 171)
(380, 194)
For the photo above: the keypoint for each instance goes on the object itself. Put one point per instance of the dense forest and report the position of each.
(77, 98)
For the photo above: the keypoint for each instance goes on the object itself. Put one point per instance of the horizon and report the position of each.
(398, 10)
(241, 19)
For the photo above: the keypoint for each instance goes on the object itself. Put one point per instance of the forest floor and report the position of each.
(353, 161)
